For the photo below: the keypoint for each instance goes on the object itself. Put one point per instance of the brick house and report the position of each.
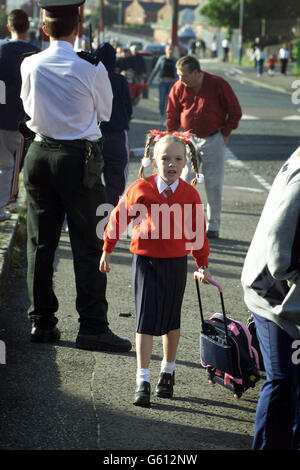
(139, 12)
(198, 22)
(146, 11)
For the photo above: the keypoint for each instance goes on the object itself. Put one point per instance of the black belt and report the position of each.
(77, 143)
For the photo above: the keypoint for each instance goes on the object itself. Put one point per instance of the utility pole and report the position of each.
(101, 22)
(174, 32)
(120, 15)
(241, 30)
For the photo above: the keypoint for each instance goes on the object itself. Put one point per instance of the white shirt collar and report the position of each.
(162, 185)
(63, 44)
(18, 40)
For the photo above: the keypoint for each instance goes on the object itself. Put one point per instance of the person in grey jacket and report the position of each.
(271, 283)
(166, 67)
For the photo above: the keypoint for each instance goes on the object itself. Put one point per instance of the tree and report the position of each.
(226, 12)
(272, 9)
(222, 13)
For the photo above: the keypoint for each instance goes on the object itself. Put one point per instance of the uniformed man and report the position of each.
(65, 97)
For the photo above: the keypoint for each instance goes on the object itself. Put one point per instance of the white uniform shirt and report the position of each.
(65, 95)
(284, 53)
(225, 43)
(162, 185)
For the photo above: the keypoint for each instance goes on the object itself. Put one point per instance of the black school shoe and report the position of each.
(212, 234)
(142, 394)
(164, 388)
(41, 335)
(107, 341)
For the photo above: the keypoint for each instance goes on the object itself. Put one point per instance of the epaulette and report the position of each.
(28, 54)
(89, 56)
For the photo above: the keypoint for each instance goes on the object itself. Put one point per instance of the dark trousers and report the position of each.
(283, 67)
(53, 176)
(260, 66)
(277, 418)
(116, 156)
(164, 91)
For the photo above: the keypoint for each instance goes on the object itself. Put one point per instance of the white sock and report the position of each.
(142, 375)
(167, 367)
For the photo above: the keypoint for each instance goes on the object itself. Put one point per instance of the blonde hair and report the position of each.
(169, 138)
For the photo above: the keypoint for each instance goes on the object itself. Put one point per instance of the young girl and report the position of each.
(159, 253)
(136, 88)
(271, 65)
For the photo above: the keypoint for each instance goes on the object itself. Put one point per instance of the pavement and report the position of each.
(8, 237)
(61, 398)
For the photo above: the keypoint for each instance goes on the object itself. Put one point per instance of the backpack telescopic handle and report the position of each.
(220, 288)
(199, 300)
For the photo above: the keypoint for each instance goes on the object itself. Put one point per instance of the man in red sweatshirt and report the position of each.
(205, 105)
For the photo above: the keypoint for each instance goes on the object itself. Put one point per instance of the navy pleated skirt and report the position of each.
(159, 285)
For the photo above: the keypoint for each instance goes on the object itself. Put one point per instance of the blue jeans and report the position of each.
(164, 90)
(260, 66)
(277, 421)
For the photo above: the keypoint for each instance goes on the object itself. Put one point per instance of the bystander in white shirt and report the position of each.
(284, 53)
(65, 109)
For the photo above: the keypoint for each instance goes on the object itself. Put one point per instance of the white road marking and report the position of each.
(237, 71)
(232, 160)
(245, 188)
(249, 117)
(294, 117)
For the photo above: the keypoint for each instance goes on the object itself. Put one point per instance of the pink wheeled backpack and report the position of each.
(226, 350)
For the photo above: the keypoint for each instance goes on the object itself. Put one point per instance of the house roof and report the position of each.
(125, 3)
(152, 6)
(147, 6)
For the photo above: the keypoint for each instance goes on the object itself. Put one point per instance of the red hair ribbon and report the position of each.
(157, 134)
(185, 136)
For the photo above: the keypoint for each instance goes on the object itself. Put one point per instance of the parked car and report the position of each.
(155, 50)
(138, 44)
